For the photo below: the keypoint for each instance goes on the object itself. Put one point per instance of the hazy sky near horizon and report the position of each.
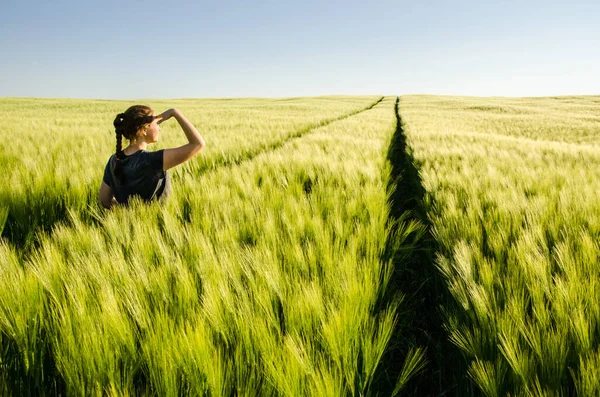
(148, 49)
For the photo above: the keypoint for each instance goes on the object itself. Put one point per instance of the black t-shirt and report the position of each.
(143, 175)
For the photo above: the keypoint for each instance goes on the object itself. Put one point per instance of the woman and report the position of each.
(135, 172)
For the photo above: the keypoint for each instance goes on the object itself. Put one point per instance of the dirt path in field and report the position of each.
(415, 276)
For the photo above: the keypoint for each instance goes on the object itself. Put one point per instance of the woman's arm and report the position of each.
(176, 156)
(106, 197)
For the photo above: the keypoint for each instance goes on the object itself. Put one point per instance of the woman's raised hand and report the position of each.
(166, 115)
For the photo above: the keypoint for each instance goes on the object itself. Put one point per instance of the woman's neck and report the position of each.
(135, 147)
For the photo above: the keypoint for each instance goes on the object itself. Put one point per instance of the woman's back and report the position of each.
(142, 175)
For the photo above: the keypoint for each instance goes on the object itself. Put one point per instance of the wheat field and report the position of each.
(512, 189)
(326, 246)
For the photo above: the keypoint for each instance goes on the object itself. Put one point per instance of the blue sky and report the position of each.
(149, 49)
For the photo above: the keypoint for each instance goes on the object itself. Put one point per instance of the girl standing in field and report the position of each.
(135, 172)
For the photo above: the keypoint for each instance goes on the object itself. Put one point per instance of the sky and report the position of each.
(130, 49)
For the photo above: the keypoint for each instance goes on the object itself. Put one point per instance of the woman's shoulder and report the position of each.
(154, 160)
(152, 152)
(152, 156)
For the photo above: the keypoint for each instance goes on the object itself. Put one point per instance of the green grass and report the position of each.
(512, 195)
(315, 248)
(262, 277)
(56, 149)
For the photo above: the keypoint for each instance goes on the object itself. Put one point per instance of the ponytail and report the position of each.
(118, 168)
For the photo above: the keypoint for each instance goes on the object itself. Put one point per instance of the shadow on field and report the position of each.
(38, 210)
(41, 207)
(420, 321)
(37, 376)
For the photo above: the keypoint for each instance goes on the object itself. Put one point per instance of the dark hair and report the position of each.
(127, 125)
